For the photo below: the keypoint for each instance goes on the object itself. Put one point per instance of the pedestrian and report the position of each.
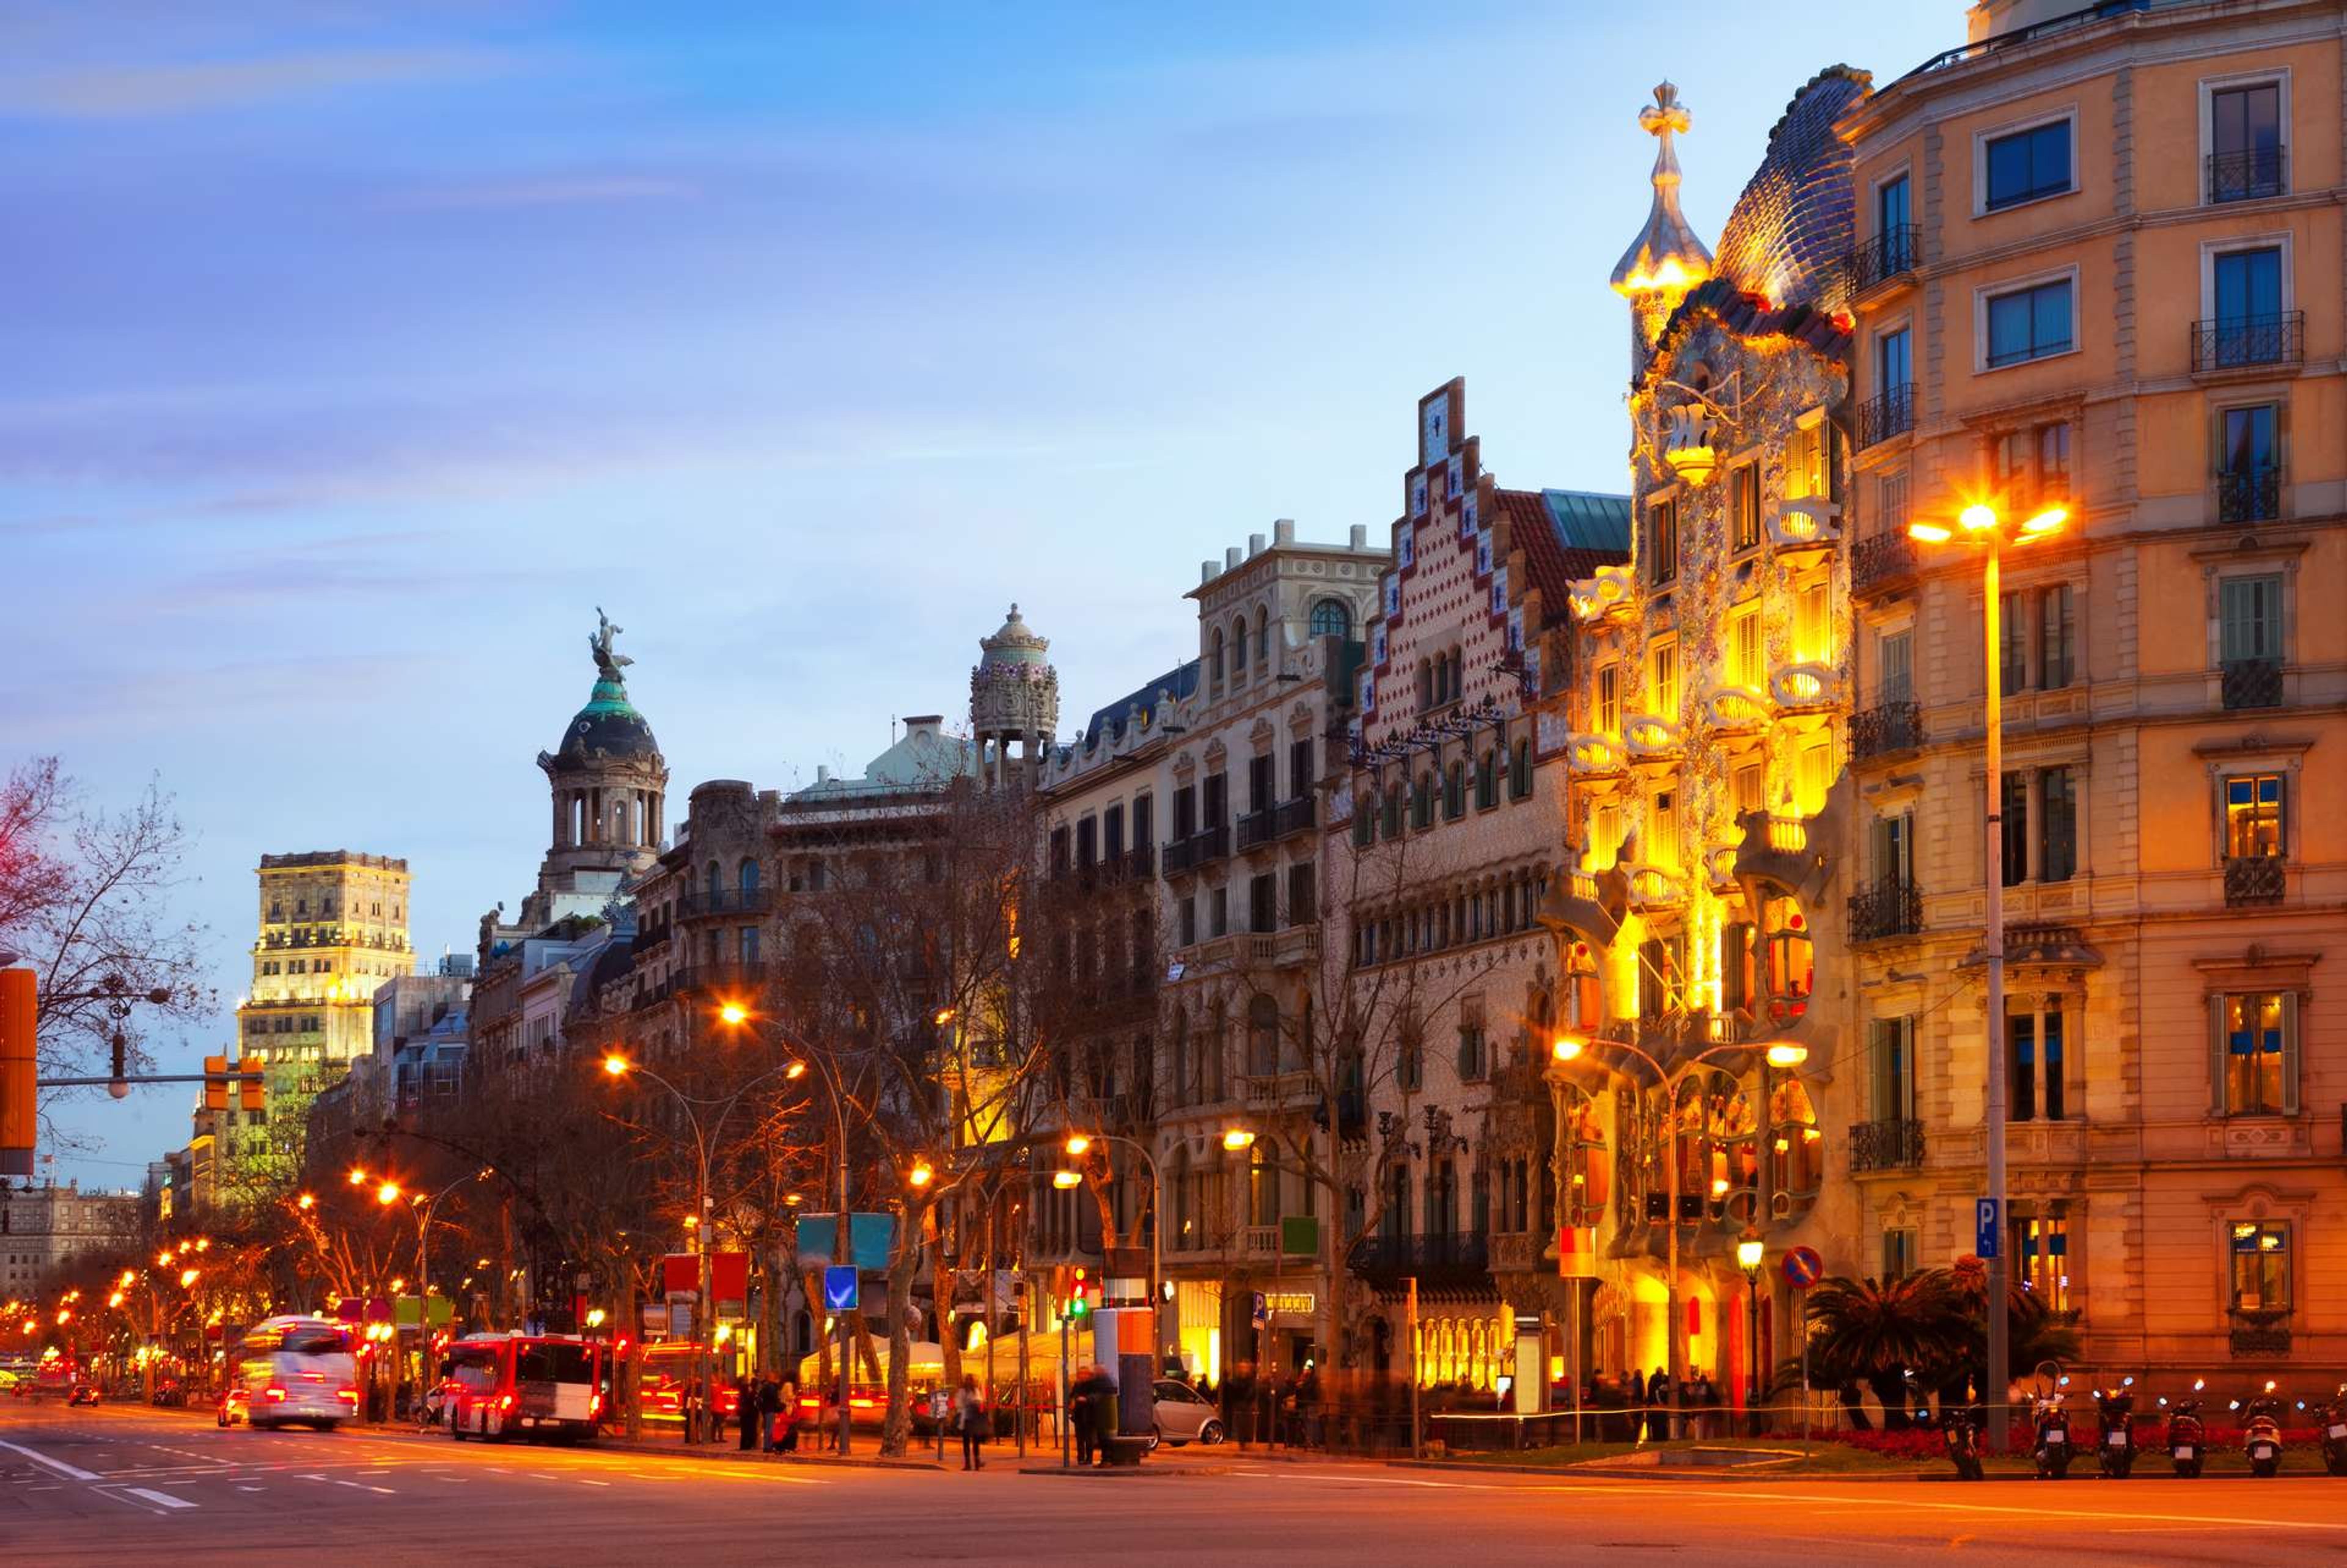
(770, 1403)
(1079, 1413)
(971, 1416)
(1094, 1396)
(1658, 1401)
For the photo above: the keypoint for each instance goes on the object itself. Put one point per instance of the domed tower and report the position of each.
(1666, 259)
(1014, 696)
(609, 780)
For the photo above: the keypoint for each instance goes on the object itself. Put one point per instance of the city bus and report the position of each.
(524, 1384)
(292, 1369)
(867, 1385)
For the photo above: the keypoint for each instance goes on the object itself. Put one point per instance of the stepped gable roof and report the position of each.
(1826, 334)
(1111, 721)
(1566, 534)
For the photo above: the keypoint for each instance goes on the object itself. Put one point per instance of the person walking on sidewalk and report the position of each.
(769, 1400)
(745, 1413)
(971, 1416)
(787, 1417)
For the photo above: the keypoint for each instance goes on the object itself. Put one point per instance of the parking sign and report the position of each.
(1985, 1243)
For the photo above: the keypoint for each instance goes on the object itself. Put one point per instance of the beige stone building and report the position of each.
(2099, 266)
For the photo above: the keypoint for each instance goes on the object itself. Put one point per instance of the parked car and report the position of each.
(83, 1394)
(1185, 1416)
(231, 1408)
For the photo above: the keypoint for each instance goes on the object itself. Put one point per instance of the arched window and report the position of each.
(1215, 660)
(749, 876)
(1263, 638)
(1331, 617)
(1365, 820)
(1796, 1149)
(1421, 802)
(713, 880)
(1454, 791)
(1520, 771)
(1426, 697)
(1263, 1037)
(1239, 649)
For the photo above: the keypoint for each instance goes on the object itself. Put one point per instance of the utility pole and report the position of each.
(1999, 1368)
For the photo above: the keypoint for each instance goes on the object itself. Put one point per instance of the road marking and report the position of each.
(70, 1471)
(361, 1486)
(253, 1489)
(164, 1497)
(584, 1481)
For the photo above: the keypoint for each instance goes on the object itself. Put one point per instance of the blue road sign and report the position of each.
(1991, 1232)
(1262, 1314)
(1803, 1267)
(839, 1283)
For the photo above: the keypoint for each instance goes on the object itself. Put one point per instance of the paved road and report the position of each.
(121, 1486)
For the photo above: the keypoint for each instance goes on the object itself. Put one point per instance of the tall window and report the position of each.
(1813, 623)
(2030, 468)
(1664, 684)
(2260, 1266)
(1891, 1069)
(2027, 165)
(2012, 829)
(1895, 657)
(1609, 699)
(1239, 647)
(2249, 612)
(1894, 213)
(2043, 1242)
(2033, 1049)
(1806, 471)
(1331, 617)
(2030, 323)
(2248, 474)
(2057, 638)
(2057, 825)
(2249, 285)
(1665, 851)
(1745, 664)
(1744, 507)
(2258, 1067)
(2245, 148)
(1894, 366)
(1747, 783)
(1663, 543)
(1900, 1247)
(1891, 503)
(2253, 815)
(1520, 770)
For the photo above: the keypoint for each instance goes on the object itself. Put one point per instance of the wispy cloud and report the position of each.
(138, 91)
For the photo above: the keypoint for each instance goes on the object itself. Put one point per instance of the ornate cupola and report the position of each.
(1666, 259)
(1014, 701)
(608, 775)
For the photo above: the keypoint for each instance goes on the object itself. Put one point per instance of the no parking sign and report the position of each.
(1803, 1267)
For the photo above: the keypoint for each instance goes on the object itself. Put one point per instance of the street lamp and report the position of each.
(1781, 1054)
(1980, 522)
(1748, 1252)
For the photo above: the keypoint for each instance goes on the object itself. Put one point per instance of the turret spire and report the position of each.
(1667, 255)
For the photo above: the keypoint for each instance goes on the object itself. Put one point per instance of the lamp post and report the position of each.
(1748, 1252)
(1080, 1142)
(1567, 1048)
(618, 1066)
(1981, 522)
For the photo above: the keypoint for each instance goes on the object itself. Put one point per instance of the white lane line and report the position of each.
(70, 1471)
(584, 1481)
(164, 1498)
(253, 1489)
(361, 1486)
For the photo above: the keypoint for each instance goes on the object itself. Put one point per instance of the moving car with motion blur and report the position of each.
(292, 1370)
(83, 1393)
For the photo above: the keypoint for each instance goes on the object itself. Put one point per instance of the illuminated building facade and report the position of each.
(1707, 719)
(2098, 267)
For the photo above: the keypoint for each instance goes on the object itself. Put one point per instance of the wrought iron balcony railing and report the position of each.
(1893, 1145)
(2253, 683)
(2249, 495)
(1890, 254)
(2248, 176)
(1885, 728)
(2228, 342)
(1890, 907)
(1879, 560)
(724, 901)
(2259, 1332)
(1891, 413)
(2252, 879)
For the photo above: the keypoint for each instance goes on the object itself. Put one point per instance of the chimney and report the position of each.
(822, 773)
(1255, 546)
(1360, 539)
(1283, 532)
(1231, 556)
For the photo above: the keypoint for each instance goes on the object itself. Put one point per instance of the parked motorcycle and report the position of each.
(2115, 1429)
(2187, 1443)
(1957, 1429)
(2051, 1421)
(2262, 1430)
(2334, 1432)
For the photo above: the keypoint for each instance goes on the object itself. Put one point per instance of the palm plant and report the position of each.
(1873, 1332)
(2035, 1331)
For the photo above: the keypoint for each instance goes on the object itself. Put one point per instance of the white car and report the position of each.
(1184, 1416)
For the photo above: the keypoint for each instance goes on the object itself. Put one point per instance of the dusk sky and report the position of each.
(358, 349)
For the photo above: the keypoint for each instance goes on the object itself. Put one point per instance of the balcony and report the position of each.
(1804, 525)
(1882, 561)
(1896, 1145)
(1279, 1091)
(1183, 855)
(1134, 864)
(1885, 729)
(1891, 908)
(2249, 495)
(1292, 817)
(2252, 879)
(719, 901)
(1255, 829)
(2238, 341)
(1892, 413)
(724, 977)
(2258, 1331)
(2253, 683)
(1885, 256)
(1434, 1261)
(2248, 176)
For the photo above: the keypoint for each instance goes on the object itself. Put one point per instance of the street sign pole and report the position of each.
(1063, 1391)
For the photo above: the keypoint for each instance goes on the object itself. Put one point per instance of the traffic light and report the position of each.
(1080, 1301)
(17, 1072)
(215, 1082)
(251, 1094)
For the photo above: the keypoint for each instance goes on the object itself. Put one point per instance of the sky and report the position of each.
(360, 349)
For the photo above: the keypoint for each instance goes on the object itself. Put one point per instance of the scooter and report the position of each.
(1957, 1429)
(2262, 1430)
(2115, 1429)
(2334, 1433)
(2052, 1449)
(2187, 1443)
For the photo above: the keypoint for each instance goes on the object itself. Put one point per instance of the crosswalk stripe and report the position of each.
(164, 1497)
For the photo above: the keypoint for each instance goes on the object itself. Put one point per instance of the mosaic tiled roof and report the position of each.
(1750, 316)
(1791, 230)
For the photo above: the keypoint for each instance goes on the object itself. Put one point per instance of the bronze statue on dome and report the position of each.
(607, 664)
